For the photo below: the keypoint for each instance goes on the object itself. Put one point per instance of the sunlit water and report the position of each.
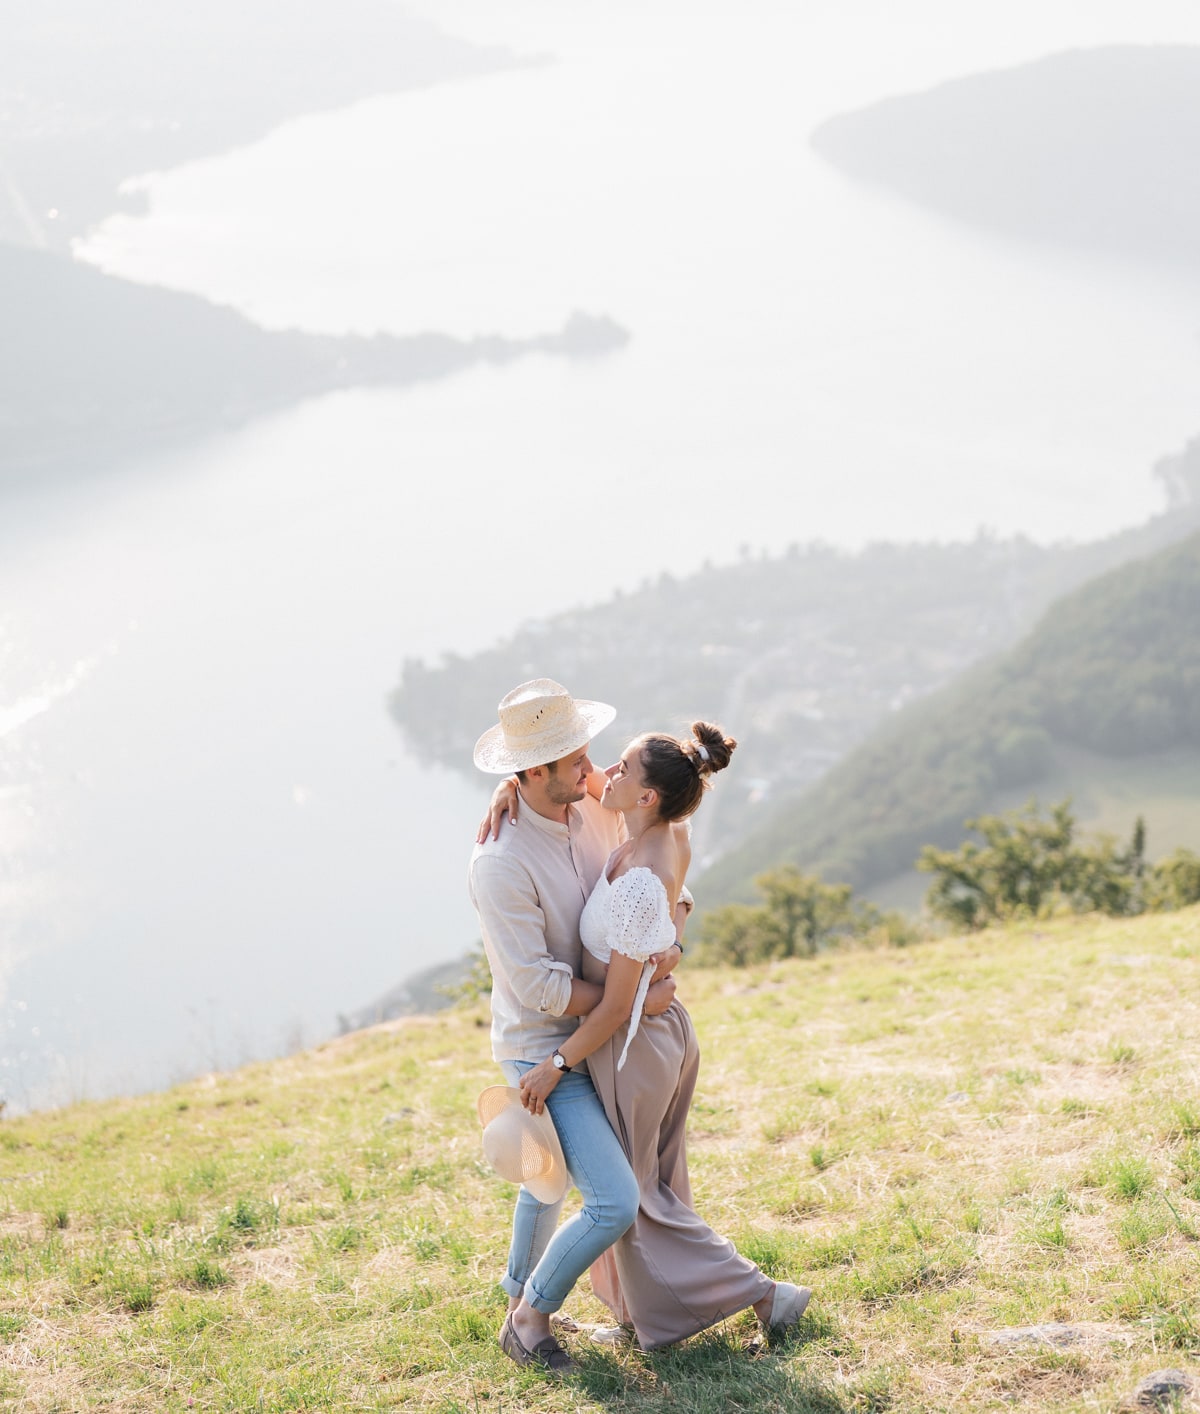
(214, 840)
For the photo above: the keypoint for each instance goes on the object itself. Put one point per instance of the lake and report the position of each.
(214, 841)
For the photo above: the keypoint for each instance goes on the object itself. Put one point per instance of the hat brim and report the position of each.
(494, 755)
(546, 1187)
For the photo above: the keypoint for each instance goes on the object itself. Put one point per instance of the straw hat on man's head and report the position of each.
(540, 722)
(521, 1146)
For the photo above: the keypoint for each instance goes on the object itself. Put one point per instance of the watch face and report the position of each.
(559, 1061)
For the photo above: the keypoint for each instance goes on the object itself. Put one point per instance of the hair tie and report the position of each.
(701, 751)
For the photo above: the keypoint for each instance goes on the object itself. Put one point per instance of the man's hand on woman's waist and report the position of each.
(659, 996)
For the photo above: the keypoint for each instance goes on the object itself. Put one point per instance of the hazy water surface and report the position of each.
(214, 840)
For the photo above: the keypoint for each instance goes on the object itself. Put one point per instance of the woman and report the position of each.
(670, 1276)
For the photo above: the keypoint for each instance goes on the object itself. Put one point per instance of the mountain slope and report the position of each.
(93, 367)
(94, 94)
(1096, 148)
(1113, 668)
(802, 657)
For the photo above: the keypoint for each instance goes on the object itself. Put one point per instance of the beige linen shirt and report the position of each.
(528, 888)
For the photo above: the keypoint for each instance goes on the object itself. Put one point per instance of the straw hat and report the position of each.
(539, 722)
(521, 1146)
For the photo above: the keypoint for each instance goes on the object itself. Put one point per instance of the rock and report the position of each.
(1051, 1333)
(1161, 1389)
(1060, 1335)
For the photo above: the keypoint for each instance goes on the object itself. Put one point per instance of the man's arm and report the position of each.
(585, 997)
(515, 925)
(514, 931)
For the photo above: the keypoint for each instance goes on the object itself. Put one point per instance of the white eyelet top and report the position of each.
(632, 916)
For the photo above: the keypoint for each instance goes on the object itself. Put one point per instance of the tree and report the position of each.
(1029, 866)
(475, 983)
(1023, 867)
(799, 915)
(1174, 882)
(736, 933)
(804, 912)
(1107, 879)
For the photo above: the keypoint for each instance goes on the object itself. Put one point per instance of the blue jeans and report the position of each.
(545, 1260)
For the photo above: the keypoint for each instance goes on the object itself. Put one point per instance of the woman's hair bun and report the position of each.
(678, 769)
(718, 747)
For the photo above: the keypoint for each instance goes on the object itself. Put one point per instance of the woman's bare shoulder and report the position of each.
(662, 857)
(681, 838)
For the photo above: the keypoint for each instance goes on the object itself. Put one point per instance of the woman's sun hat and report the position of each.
(540, 722)
(521, 1146)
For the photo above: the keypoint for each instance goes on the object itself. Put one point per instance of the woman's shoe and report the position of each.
(613, 1335)
(787, 1306)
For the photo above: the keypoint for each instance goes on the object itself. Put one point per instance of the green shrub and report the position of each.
(1030, 867)
(1174, 882)
(800, 914)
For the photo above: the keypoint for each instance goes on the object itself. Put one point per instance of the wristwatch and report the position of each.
(560, 1062)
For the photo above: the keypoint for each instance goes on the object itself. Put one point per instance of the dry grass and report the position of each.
(945, 1143)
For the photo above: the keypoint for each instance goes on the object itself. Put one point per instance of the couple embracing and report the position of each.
(581, 902)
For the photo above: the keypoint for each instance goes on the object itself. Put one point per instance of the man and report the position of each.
(529, 885)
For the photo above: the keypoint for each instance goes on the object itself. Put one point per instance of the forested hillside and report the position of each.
(93, 368)
(1113, 668)
(92, 95)
(801, 657)
(1095, 149)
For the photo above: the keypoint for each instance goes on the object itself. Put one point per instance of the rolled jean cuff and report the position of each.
(511, 1286)
(539, 1303)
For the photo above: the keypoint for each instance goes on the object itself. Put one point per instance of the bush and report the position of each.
(1030, 867)
(800, 915)
(1174, 882)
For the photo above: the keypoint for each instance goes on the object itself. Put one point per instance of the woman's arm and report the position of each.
(674, 872)
(666, 962)
(505, 799)
(620, 988)
(659, 995)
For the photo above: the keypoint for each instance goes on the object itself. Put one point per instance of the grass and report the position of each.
(943, 1142)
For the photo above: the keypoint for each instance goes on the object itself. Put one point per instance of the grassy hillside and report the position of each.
(946, 1143)
(1112, 669)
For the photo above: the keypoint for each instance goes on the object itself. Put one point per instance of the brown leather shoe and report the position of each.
(547, 1353)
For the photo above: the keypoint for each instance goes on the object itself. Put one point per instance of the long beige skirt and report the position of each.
(671, 1275)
